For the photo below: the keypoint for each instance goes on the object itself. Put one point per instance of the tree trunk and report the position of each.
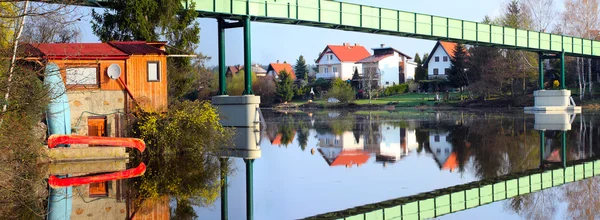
(591, 88)
(19, 29)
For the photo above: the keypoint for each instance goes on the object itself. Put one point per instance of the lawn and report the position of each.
(403, 100)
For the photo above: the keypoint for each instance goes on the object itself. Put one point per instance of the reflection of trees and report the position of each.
(192, 180)
(422, 137)
(539, 205)
(583, 198)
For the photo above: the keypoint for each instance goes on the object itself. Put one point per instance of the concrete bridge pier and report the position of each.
(553, 121)
(553, 100)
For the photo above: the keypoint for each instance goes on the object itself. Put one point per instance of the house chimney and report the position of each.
(382, 45)
(346, 44)
(277, 61)
(356, 45)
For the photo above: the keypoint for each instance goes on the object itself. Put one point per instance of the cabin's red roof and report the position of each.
(278, 67)
(347, 52)
(138, 47)
(349, 158)
(76, 51)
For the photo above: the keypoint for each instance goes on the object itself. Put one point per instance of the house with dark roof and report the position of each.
(105, 80)
(275, 70)
(438, 63)
(340, 61)
(256, 69)
(390, 65)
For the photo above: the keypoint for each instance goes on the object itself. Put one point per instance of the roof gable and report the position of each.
(278, 67)
(447, 47)
(346, 52)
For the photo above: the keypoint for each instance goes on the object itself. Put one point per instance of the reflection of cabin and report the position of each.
(96, 100)
(104, 200)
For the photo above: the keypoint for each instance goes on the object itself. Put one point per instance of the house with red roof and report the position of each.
(276, 68)
(105, 80)
(340, 61)
(342, 149)
(256, 70)
(438, 63)
(391, 66)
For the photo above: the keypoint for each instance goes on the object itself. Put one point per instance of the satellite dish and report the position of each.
(113, 71)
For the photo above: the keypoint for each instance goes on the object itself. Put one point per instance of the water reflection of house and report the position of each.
(442, 151)
(345, 149)
(279, 139)
(396, 143)
(108, 200)
(104, 200)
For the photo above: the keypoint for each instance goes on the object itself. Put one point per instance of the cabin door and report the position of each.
(97, 127)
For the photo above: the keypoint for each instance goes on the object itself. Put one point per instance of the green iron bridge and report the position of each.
(376, 20)
(471, 195)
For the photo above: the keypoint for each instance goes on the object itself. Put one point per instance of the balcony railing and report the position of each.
(325, 75)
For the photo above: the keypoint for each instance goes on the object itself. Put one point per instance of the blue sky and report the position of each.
(272, 42)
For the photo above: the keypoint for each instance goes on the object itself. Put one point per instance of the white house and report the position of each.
(339, 61)
(442, 151)
(342, 150)
(438, 62)
(396, 143)
(393, 66)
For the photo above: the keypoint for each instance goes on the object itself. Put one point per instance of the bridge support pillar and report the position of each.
(553, 100)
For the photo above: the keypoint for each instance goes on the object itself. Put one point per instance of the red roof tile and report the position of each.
(451, 163)
(137, 47)
(77, 51)
(278, 67)
(347, 53)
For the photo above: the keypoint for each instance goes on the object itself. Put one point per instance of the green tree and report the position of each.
(301, 69)
(355, 80)
(420, 71)
(285, 89)
(458, 68)
(149, 20)
(342, 91)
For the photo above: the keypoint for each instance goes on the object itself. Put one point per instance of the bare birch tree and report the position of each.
(541, 13)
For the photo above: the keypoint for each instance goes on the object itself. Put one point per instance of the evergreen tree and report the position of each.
(285, 90)
(458, 65)
(420, 71)
(355, 80)
(301, 69)
(148, 20)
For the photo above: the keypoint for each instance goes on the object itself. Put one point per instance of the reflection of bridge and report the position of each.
(457, 198)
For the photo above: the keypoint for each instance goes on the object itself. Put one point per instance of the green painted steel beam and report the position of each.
(362, 18)
(471, 195)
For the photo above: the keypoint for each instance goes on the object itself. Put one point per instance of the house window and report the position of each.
(82, 76)
(437, 59)
(334, 69)
(438, 151)
(330, 56)
(445, 58)
(436, 138)
(447, 71)
(153, 71)
(326, 70)
(336, 141)
(436, 71)
(387, 83)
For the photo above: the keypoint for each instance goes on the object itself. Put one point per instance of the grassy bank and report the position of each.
(403, 100)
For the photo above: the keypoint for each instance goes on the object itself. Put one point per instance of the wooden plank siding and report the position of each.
(105, 82)
(147, 93)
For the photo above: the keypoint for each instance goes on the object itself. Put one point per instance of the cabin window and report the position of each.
(153, 71)
(334, 69)
(436, 71)
(437, 59)
(445, 58)
(85, 76)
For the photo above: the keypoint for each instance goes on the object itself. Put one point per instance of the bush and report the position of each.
(341, 91)
(187, 128)
(265, 88)
(396, 89)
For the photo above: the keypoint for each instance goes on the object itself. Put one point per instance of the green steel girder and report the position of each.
(458, 198)
(362, 18)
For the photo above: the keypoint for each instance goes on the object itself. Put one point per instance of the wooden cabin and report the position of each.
(97, 101)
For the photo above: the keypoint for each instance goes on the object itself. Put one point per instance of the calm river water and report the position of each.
(410, 165)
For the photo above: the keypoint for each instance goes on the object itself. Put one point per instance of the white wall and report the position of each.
(409, 70)
(441, 65)
(390, 72)
(347, 70)
(441, 149)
